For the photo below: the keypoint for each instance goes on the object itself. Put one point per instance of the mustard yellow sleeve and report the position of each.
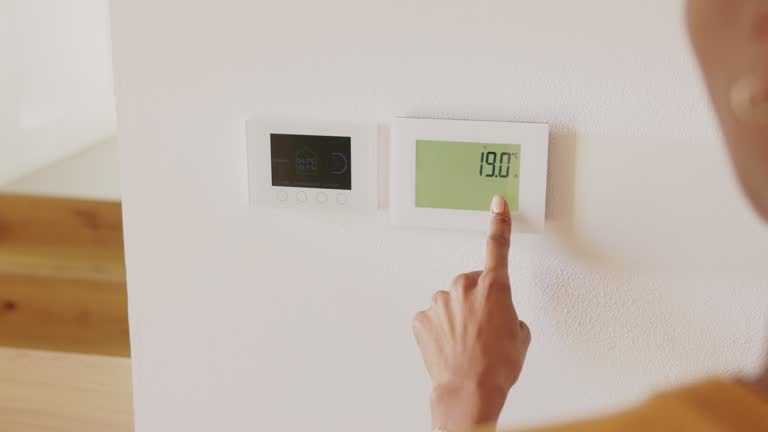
(713, 406)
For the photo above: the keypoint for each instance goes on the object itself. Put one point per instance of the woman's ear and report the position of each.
(730, 39)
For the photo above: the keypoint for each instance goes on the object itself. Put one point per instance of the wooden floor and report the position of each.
(60, 392)
(64, 343)
(62, 276)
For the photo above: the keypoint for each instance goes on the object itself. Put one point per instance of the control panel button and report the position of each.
(301, 196)
(341, 198)
(321, 197)
(282, 196)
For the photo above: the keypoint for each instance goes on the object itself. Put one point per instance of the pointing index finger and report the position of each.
(497, 248)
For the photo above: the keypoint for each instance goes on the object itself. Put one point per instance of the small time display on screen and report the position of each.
(466, 175)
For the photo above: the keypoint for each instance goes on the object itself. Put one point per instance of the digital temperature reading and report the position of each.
(448, 175)
(488, 159)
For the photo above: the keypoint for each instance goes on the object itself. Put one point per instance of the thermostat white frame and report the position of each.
(533, 139)
(261, 193)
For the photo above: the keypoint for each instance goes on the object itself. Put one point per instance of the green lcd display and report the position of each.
(465, 176)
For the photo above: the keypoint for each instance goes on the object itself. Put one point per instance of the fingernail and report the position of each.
(498, 205)
(749, 100)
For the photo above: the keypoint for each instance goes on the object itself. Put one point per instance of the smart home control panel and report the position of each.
(310, 164)
(444, 173)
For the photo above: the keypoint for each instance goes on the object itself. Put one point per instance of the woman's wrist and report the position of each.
(465, 407)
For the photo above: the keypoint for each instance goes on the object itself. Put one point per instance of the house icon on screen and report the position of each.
(307, 162)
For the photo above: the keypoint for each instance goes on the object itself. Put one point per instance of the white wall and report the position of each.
(9, 112)
(245, 319)
(57, 80)
(91, 174)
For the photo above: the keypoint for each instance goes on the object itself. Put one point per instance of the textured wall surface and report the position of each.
(247, 319)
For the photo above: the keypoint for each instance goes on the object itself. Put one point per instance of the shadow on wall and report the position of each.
(561, 179)
(561, 201)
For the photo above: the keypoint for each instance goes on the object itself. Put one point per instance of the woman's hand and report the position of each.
(472, 342)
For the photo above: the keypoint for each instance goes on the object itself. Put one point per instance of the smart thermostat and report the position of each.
(311, 164)
(444, 173)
